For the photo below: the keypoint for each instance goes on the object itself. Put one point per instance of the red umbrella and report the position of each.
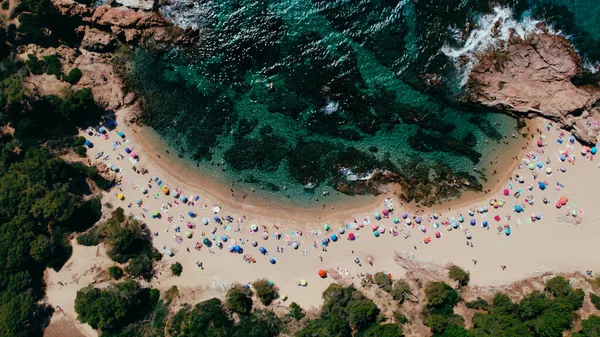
(351, 237)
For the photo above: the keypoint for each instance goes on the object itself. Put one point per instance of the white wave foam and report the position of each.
(330, 107)
(185, 13)
(487, 35)
(351, 176)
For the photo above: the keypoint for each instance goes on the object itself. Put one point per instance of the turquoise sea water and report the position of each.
(304, 96)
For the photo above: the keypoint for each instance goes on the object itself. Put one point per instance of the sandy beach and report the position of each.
(562, 239)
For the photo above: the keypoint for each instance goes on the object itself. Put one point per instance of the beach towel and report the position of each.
(228, 228)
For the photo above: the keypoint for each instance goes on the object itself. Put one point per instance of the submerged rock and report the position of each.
(537, 76)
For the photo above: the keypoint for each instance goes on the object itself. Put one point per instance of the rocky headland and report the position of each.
(540, 75)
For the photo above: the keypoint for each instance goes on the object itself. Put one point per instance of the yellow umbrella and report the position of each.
(120, 196)
(303, 283)
(283, 297)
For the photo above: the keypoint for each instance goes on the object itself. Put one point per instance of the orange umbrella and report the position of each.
(563, 200)
(322, 273)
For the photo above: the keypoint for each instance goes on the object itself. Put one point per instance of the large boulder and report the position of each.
(146, 5)
(535, 76)
(98, 41)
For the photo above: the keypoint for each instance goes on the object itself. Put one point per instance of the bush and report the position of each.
(73, 77)
(400, 291)
(399, 317)
(265, 291)
(172, 293)
(89, 238)
(35, 66)
(558, 286)
(176, 268)
(478, 304)
(459, 275)
(383, 281)
(53, 66)
(5, 5)
(115, 272)
(384, 330)
(296, 311)
(140, 266)
(441, 296)
(239, 299)
(595, 300)
(81, 151)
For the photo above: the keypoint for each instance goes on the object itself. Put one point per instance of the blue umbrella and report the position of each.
(334, 237)
(562, 157)
(404, 215)
(485, 224)
(183, 198)
(230, 248)
(190, 213)
(593, 150)
(377, 216)
(376, 233)
(542, 185)
(224, 238)
(238, 249)
(102, 129)
(518, 208)
(262, 250)
(455, 224)
(473, 222)
(205, 221)
(128, 150)
(418, 219)
(507, 231)
(540, 164)
(272, 260)
(460, 218)
(217, 219)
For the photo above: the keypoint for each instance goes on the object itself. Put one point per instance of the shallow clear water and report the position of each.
(301, 93)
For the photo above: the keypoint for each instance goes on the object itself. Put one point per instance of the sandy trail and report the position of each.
(553, 243)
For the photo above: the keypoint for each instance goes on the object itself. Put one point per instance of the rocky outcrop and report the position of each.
(98, 41)
(146, 5)
(535, 76)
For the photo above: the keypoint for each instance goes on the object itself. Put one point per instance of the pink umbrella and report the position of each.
(189, 225)
(506, 192)
(385, 212)
(438, 235)
(351, 237)
(133, 154)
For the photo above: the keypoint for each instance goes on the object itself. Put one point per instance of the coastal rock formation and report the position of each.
(98, 41)
(537, 76)
(146, 5)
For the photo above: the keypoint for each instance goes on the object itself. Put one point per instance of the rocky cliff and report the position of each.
(537, 76)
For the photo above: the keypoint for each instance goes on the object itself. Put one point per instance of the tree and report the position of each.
(441, 296)
(384, 330)
(115, 272)
(176, 268)
(41, 249)
(112, 308)
(558, 286)
(459, 275)
(239, 299)
(140, 266)
(296, 311)
(73, 77)
(590, 327)
(400, 291)
(206, 319)
(595, 299)
(261, 323)
(266, 291)
(362, 313)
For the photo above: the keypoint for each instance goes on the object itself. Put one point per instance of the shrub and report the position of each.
(400, 290)
(400, 318)
(459, 275)
(176, 268)
(73, 77)
(115, 272)
(595, 300)
(384, 330)
(239, 299)
(266, 291)
(140, 266)
(558, 286)
(5, 5)
(80, 150)
(362, 313)
(383, 281)
(35, 66)
(440, 295)
(296, 311)
(172, 293)
(89, 238)
(478, 304)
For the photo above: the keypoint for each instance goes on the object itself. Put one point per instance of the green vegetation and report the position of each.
(115, 272)
(595, 299)
(73, 77)
(176, 268)
(5, 5)
(239, 299)
(296, 311)
(400, 291)
(383, 281)
(459, 275)
(266, 291)
(438, 314)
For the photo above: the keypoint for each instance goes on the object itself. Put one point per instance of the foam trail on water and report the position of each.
(185, 13)
(486, 35)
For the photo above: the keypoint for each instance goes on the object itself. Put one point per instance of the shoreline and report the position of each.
(185, 174)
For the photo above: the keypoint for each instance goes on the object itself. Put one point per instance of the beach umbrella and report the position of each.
(217, 219)
(277, 235)
(593, 150)
(563, 169)
(542, 185)
(303, 283)
(376, 233)
(325, 241)
(165, 190)
(351, 237)
(538, 216)
(262, 250)
(190, 225)
(295, 245)
(143, 190)
(468, 235)
(461, 218)
(224, 238)
(254, 227)
(404, 215)
(216, 209)
(436, 215)
(473, 222)
(188, 234)
(334, 237)
(471, 213)
(169, 252)
(484, 224)
(133, 154)
(454, 224)
(154, 214)
(272, 260)
(377, 216)
(518, 208)
(385, 212)
(120, 196)
(396, 220)
(238, 249)
(341, 230)
(265, 236)
(254, 243)
(427, 239)
(408, 221)
(572, 139)
(540, 164)
(531, 166)
(138, 201)
(205, 221)
(438, 235)
(381, 230)
(507, 231)
(574, 212)
(327, 227)
(501, 203)
(127, 150)
(206, 241)
(230, 248)
(562, 157)
(563, 200)
(176, 226)
(374, 227)
(506, 192)
(418, 219)
(322, 273)
(183, 199)
(548, 170)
